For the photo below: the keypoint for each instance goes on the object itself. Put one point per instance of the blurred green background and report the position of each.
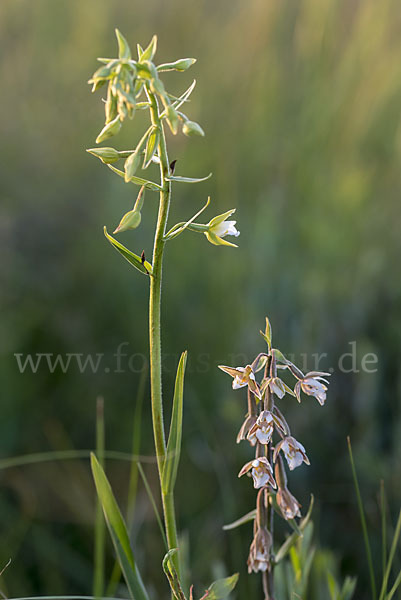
(300, 102)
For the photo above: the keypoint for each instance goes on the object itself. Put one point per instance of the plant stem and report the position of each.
(154, 329)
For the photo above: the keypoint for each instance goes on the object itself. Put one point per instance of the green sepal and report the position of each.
(173, 449)
(187, 179)
(150, 51)
(149, 185)
(221, 588)
(135, 260)
(123, 47)
(118, 532)
(241, 521)
(179, 65)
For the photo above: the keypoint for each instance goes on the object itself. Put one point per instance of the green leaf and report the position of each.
(187, 179)
(241, 521)
(149, 185)
(174, 439)
(132, 258)
(123, 47)
(150, 51)
(221, 588)
(151, 146)
(348, 588)
(118, 533)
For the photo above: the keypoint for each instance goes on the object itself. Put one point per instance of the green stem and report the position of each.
(154, 329)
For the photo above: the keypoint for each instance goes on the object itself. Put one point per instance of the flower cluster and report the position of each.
(263, 422)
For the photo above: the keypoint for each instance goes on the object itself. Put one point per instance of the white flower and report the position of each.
(276, 386)
(312, 385)
(293, 451)
(242, 376)
(263, 428)
(262, 473)
(218, 228)
(259, 552)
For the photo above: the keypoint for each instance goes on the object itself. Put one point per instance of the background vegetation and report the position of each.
(300, 102)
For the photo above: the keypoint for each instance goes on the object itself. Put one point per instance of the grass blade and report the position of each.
(383, 591)
(174, 439)
(118, 532)
(363, 522)
(384, 525)
(99, 545)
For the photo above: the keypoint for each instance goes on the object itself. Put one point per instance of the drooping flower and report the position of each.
(262, 473)
(242, 376)
(243, 433)
(293, 451)
(259, 552)
(311, 384)
(219, 227)
(289, 505)
(263, 428)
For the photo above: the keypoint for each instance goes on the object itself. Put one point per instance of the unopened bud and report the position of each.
(106, 155)
(172, 119)
(109, 130)
(179, 65)
(191, 128)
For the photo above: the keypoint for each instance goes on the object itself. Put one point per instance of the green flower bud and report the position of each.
(157, 86)
(179, 65)
(109, 130)
(191, 128)
(172, 118)
(131, 220)
(106, 155)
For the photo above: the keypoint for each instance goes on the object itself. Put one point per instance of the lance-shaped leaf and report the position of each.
(291, 540)
(178, 178)
(135, 260)
(149, 185)
(221, 588)
(118, 533)
(241, 521)
(174, 439)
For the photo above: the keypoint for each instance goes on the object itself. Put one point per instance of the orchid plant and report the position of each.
(132, 85)
(263, 421)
